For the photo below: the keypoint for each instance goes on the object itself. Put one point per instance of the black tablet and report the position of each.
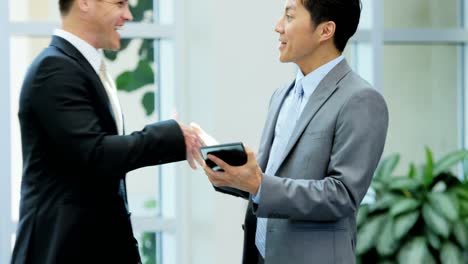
(231, 153)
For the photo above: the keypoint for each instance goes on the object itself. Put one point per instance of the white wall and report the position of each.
(231, 69)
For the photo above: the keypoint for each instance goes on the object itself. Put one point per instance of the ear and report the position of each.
(327, 30)
(83, 5)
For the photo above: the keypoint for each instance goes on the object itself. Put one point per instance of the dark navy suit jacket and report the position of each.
(73, 202)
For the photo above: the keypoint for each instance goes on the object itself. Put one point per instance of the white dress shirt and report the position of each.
(95, 58)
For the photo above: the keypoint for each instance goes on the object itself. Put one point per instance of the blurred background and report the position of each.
(216, 63)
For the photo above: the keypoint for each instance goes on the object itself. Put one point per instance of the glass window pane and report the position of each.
(133, 68)
(359, 57)
(422, 13)
(367, 8)
(27, 10)
(48, 10)
(150, 247)
(23, 51)
(420, 86)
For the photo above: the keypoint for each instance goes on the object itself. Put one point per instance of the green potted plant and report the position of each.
(421, 217)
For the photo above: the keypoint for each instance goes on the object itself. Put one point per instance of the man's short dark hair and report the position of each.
(345, 14)
(65, 6)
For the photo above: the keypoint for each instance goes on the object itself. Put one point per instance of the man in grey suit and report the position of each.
(323, 138)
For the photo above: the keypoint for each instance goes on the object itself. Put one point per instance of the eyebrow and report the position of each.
(290, 7)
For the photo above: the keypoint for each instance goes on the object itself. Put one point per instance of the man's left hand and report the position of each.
(246, 178)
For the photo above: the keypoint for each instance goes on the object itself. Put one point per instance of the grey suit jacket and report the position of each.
(312, 199)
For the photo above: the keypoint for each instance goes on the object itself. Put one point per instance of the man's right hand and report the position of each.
(192, 143)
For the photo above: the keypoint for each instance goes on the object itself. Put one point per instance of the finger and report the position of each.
(219, 162)
(198, 158)
(191, 161)
(192, 164)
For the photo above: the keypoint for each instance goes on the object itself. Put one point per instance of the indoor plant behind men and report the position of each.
(322, 141)
(75, 153)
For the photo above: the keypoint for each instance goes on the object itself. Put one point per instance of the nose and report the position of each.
(279, 26)
(127, 14)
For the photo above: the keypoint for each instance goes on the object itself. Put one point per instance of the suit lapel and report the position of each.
(270, 124)
(71, 51)
(319, 97)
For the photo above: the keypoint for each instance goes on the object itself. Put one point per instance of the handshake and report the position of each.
(246, 177)
(195, 137)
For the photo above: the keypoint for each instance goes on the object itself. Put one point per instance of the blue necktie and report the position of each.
(277, 152)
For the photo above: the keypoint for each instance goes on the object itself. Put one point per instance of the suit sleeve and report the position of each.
(359, 138)
(63, 104)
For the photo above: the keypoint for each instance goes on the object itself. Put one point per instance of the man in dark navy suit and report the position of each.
(75, 152)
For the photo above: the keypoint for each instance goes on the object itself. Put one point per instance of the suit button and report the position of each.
(243, 227)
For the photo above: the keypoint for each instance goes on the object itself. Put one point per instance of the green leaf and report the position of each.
(404, 223)
(463, 208)
(368, 233)
(138, 11)
(125, 81)
(362, 215)
(449, 160)
(462, 192)
(404, 183)
(428, 172)
(450, 254)
(112, 55)
(435, 221)
(444, 205)
(460, 231)
(144, 73)
(387, 166)
(150, 204)
(146, 50)
(439, 187)
(387, 200)
(412, 171)
(415, 251)
(432, 238)
(403, 206)
(386, 243)
(148, 103)
(141, 76)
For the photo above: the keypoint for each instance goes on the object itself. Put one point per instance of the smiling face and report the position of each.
(301, 40)
(298, 38)
(106, 18)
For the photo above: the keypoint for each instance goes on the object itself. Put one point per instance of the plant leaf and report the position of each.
(130, 81)
(450, 254)
(412, 171)
(444, 205)
(387, 166)
(428, 172)
(462, 192)
(435, 221)
(362, 215)
(415, 251)
(384, 202)
(404, 183)
(386, 243)
(460, 231)
(368, 233)
(148, 102)
(446, 162)
(403, 223)
(403, 206)
(463, 208)
(432, 238)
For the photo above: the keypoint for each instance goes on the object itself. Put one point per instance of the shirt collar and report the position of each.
(312, 80)
(91, 54)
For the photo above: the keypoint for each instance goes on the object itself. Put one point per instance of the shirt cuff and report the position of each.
(256, 198)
